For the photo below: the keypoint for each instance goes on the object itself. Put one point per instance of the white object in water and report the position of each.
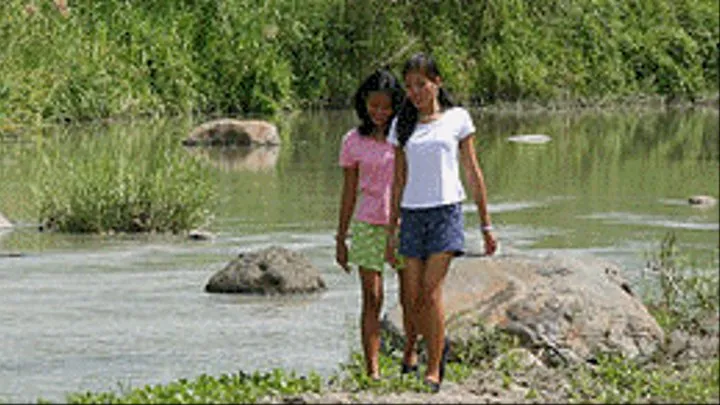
(4, 222)
(533, 138)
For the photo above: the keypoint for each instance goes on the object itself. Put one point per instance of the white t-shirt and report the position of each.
(432, 154)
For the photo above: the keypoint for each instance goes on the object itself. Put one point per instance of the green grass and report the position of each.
(229, 388)
(120, 182)
(615, 380)
(679, 292)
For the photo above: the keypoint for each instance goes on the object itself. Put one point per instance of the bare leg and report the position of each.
(372, 300)
(433, 310)
(409, 289)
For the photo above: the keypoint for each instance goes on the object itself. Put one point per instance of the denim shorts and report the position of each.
(425, 231)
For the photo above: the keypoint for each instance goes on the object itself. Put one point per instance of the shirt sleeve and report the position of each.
(392, 134)
(348, 155)
(466, 124)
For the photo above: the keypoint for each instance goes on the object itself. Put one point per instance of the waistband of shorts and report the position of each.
(433, 208)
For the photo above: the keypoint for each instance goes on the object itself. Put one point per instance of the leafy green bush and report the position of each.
(124, 58)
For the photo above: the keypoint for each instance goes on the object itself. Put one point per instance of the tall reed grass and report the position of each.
(119, 182)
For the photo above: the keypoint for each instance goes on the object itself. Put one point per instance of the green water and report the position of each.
(607, 180)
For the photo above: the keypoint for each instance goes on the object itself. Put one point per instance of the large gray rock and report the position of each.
(274, 270)
(228, 131)
(567, 308)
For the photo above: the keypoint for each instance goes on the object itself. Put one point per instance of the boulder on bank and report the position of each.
(233, 132)
(274, 270)
(567, 308)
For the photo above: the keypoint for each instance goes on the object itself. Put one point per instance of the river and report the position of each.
(103, 313)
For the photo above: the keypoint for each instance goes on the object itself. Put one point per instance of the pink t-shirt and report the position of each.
(375, 161)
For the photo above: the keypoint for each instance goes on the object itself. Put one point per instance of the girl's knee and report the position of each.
(427, 299)
(408, 302)
(373, 302)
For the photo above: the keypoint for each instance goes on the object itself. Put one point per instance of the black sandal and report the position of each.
(443, 359)
(433, 386)
(407, 369)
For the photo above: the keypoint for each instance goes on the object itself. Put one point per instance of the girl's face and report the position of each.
(421, 90)
(379, 107)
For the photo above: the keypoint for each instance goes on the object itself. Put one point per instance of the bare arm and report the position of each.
(399, 179)
(398, 185)
(347, 201)
(347, 207)
(476, 182)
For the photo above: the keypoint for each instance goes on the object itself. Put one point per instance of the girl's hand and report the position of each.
(490, 242)
(341, 254)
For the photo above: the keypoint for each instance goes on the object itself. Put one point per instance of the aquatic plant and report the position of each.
(120, 182)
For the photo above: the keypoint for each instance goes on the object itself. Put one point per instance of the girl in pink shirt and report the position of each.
(368, 160)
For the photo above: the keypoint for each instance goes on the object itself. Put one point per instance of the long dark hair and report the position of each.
(408, 115)
(381, 80)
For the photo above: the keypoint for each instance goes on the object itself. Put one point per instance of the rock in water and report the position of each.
(233, 132)
(534, 138)
(702, 201)
(274, 270)
(4, 222)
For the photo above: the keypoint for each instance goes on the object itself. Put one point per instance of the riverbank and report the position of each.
(514, 376)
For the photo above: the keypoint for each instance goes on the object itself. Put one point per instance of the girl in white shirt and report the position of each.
(431, 138)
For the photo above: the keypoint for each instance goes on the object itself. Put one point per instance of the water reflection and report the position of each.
(231, 159)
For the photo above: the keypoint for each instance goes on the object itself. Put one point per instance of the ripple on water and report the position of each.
(627, 218)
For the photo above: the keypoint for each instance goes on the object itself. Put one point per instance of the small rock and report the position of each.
(518, 356)
(197, 234)
(4, 222)
(11, 255)
(702, 200)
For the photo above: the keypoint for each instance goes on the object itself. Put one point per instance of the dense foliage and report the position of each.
(128, 57)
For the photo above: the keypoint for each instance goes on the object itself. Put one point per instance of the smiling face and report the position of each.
(422, 90)
(379, 107)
